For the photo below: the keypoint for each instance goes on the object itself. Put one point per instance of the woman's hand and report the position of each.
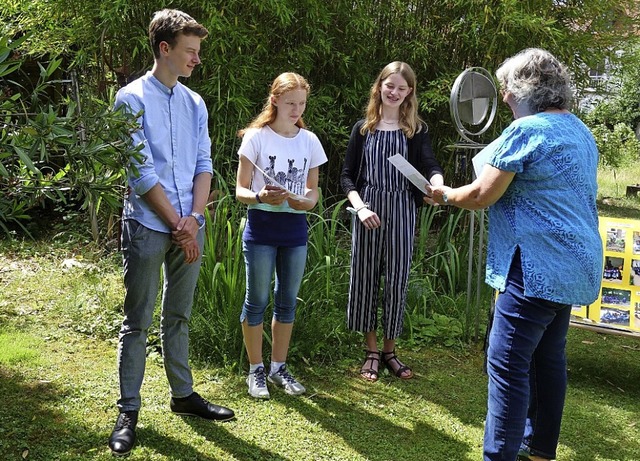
(273, 195)
(428, 199)
(301, 203)
(368, 218)
(435, 194)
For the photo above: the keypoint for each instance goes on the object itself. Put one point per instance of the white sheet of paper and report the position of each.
(478, 162)
(300, 198)
(480, 159)
(410, 172)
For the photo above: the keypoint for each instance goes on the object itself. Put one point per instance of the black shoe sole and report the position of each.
(220, 420)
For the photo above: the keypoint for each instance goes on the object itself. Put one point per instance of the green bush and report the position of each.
(56, 153)
(340, 46)
(618, 147)
(615, 120)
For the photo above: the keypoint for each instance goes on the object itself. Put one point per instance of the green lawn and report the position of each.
(612, 199)
(58, 381)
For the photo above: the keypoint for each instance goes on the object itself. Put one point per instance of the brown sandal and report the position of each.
(372, 358)
(398, 368)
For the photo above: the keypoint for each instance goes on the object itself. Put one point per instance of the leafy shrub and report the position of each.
(619, 147)
(438, 328)
(339, 46)
(54, 154)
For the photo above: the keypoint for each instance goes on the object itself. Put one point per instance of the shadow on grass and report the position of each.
(377, 438)
(160, 443)
(612, 208)
(216, 433)
(592, 435)
(604, 372)
(606, 364)
(449, 378)
(30, 430)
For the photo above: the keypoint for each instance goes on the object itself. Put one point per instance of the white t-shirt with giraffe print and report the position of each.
(286, 160)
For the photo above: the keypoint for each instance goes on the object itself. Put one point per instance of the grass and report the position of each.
(59, 316)
(59, 384)
(612, 199)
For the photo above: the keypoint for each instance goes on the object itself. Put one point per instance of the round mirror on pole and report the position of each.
(473, 105)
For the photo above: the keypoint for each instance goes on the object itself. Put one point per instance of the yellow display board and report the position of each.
(618, 306)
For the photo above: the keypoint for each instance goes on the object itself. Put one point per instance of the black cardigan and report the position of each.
(420, 156)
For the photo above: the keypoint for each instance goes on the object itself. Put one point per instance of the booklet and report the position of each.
(300, 198)
(410, 172)
(481, 158)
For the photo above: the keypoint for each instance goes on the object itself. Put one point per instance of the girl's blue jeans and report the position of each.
(527, 373)
(261, 262)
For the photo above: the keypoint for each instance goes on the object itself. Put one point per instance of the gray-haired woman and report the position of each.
(544, 251)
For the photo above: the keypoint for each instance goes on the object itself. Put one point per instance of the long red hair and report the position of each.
(283, 83)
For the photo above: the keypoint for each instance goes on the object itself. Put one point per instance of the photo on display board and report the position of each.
(615, 297)
(615, 240)
(636, 243)
(618, 306)
(612, 316)
(634, 276)
(613, 269)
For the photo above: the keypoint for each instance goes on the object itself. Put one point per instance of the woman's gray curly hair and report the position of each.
(537, 79)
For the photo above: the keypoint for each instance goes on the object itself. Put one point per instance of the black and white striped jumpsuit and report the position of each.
(387, 250)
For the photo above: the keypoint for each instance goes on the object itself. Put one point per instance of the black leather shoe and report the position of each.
(123, 436)
(194, 405)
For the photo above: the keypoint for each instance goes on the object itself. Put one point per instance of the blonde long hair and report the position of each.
(287, 81)
(409, 121)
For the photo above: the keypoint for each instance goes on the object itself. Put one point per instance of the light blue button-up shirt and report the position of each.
(548, 210)
(176, 146)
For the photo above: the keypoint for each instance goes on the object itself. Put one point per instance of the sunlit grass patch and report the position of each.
(19, 348)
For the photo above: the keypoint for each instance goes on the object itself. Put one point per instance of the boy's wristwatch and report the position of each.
(199, 219)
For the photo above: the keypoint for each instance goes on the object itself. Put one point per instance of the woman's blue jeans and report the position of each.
(526, 363)
(147, 253)
(261, 261)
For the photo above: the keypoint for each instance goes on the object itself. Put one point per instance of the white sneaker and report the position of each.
(257, 382)
(284, 379)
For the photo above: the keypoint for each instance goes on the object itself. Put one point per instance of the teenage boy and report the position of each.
(162, 226)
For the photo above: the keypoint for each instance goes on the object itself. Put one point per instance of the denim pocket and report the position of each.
(132, 231)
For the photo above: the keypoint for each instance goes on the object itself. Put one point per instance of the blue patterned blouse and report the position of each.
(549, 209)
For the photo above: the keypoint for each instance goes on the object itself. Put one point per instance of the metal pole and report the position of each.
(469, 272)
(479, 271)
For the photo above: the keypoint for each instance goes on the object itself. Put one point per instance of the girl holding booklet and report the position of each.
(385, 205)
(278, 178)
